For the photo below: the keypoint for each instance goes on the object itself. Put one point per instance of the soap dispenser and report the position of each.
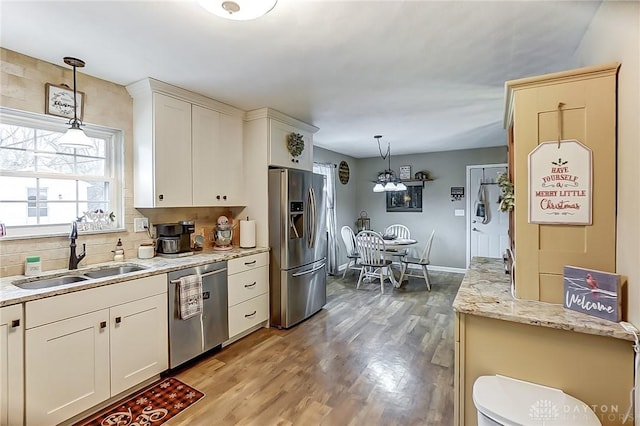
(118, 252)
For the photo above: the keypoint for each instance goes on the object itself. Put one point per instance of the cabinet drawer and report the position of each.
(247, 314)
(247, 263)
(247, 285)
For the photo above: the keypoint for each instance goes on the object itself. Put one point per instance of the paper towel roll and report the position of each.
(247, 233)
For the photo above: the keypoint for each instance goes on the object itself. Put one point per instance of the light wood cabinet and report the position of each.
(217, 158)
(11, 365)
(188, 148)
(91, 345)
(248, 293)
(588, 98)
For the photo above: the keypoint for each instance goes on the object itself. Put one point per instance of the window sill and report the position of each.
(60, 234)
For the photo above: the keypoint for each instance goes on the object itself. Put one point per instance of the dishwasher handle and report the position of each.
(206, 274)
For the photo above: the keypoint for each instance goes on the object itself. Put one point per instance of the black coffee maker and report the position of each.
(175, 238)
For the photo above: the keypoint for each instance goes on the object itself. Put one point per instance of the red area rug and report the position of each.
(151, 406)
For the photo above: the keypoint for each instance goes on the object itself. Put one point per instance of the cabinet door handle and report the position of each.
(217, 197)
(250, 263)
(15, 323)
(103, 324)
(251, 314)
(161, 197)
(250, 285)
(224, 197)
(118, 320)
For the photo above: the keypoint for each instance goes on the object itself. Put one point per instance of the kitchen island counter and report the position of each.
(486, 291)
(11, 294)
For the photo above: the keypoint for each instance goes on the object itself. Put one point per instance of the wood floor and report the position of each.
(365, 359)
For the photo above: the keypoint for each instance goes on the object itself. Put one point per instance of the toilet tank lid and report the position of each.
(511, 401)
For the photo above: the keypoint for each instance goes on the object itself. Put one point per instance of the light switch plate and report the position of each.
(140, 224)
(459, 212)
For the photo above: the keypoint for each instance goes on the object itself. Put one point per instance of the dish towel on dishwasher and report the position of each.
(189, 296)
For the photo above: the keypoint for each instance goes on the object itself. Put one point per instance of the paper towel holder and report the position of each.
(247, 233)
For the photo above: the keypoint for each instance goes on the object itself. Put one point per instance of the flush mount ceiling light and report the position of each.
(387, 180)
(75, 137)
(238, 10)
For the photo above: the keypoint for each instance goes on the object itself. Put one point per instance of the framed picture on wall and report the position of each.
(405, 201)
(59, 101)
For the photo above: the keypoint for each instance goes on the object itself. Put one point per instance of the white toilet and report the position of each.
(503, 401)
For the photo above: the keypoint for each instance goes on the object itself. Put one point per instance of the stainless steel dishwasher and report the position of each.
(196, 335)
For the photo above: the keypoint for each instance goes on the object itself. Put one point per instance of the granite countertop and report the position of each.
(11, 294)
(486, 291)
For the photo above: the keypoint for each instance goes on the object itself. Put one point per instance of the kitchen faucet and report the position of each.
(73, 258)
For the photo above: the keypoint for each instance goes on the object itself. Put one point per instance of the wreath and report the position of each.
(507, 199)
(295, 144)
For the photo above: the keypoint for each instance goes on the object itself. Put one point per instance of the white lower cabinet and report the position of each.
(11, 365)
(67, 366)
(138, 347)
(83, 348)
(248, 292)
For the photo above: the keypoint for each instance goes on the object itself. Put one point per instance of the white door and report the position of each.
(491, 238)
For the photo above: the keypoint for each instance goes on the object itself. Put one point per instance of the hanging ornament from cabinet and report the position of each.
(295, 144)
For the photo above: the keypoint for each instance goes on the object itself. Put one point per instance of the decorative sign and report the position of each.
(592, 292)
(343, 172)
(59, 101)
(457, 193)
(405, 172)
(560, 179)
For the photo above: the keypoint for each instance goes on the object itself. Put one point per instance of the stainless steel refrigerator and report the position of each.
(298, 240)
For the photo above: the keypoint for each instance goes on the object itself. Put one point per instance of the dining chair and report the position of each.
(349, 239)
(422, 261)
(400, 231)
(374, 263)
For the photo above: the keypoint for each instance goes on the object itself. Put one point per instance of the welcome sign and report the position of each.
(560, 177)
(593, 292)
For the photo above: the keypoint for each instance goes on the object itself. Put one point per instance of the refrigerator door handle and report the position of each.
(312, 222)
(317, 268)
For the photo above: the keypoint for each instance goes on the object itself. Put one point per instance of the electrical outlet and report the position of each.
(140, 224)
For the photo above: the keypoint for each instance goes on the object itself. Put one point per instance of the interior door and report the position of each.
(489, 239)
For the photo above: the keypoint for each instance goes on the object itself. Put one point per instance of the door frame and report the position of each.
(469, 202)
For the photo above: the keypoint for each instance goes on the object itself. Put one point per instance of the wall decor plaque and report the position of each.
(405, 172)
(59, 101)
(593, 292)
(343, 172)
(560, 183)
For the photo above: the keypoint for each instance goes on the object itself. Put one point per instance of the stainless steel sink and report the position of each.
(50, 282)
(116, 270)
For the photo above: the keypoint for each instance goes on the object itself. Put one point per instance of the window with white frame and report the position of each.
(44, 186)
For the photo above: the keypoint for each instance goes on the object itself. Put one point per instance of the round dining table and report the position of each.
(393, 246)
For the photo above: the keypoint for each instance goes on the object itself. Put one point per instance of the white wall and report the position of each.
(614, 36)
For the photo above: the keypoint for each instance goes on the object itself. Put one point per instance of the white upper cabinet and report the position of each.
(170, 157)
(283, 139)
(217, 158)
(187, 148)
(273, 135)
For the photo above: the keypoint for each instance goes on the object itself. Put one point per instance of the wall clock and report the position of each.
(343, 172)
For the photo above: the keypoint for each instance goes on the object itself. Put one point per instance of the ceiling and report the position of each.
(428, 76)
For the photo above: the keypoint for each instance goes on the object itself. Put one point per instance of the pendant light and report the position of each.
(75, 137)
(387, 180)
(238, 10)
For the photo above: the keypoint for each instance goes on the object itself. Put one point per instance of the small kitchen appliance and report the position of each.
(174, 239)
(222, 234)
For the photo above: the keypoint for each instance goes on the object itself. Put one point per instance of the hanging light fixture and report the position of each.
(75, 137)
(387, 180)
(238, 10)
